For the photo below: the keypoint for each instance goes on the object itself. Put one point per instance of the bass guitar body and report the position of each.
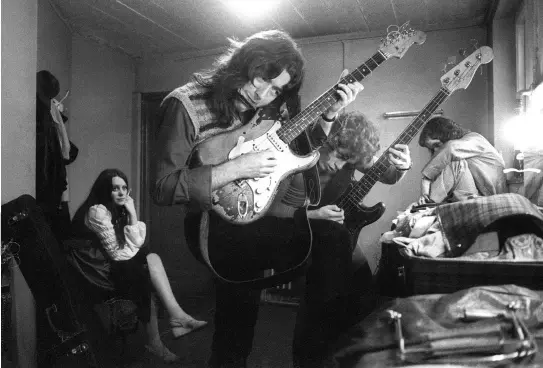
(244, 201)
(362, 216)
(357, 215)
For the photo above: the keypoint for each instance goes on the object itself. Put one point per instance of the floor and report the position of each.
(271, 347)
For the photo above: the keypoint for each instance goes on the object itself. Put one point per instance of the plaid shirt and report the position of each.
(463, 221)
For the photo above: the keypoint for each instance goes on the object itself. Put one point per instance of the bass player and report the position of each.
(348, 153)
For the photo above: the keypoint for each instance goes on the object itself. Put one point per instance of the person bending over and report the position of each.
(463, 164)
(345, 156)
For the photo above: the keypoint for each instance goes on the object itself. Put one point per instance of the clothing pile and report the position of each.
(418, 231)
(502, 227)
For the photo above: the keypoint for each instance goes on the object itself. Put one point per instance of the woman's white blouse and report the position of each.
(98, 219)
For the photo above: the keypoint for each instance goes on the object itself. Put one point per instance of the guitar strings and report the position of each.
(352, 199)
(293, 130)
(380, 166)
(364, 182)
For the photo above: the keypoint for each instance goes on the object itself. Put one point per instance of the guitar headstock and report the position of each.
(399, 40)
(461, 75)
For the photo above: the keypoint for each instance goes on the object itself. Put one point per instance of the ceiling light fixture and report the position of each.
(251, 8)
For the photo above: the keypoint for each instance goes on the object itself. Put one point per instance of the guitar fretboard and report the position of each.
(295, 126)
(355, 194)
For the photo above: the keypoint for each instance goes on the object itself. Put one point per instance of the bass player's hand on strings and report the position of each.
(329, 212)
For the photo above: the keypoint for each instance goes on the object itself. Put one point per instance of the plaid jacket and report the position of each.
(463, 221)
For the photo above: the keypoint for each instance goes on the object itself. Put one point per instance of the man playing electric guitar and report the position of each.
(344, 157)
(265, 69)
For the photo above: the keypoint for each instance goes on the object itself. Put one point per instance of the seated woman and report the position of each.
(118, 264)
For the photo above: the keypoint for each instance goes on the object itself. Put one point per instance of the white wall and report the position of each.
(103, 81)
(19, 34)
(158, 75)
(406, 84)
(503, 87)
(19, 29)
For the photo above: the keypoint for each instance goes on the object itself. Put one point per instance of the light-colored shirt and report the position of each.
(484, 161)
(99, 220)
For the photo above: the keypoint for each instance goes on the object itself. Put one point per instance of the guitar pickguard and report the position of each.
(244, 200)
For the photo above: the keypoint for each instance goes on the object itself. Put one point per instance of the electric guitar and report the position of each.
(244, 201)
(350, 200)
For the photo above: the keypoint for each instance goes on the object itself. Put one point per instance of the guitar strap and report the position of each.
(303, 233)
(281, 277)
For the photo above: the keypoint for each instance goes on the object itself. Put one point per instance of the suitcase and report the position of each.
(60, 334)
(403, 274)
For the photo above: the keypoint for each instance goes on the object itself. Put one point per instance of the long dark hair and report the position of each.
(47, 84)
(100, 193)
(441, 128)
(265, 54)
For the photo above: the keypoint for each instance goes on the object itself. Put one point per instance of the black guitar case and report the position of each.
(44, 267)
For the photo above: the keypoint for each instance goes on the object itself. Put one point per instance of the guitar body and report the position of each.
(244, 201)
(356, 216)
(362, 216)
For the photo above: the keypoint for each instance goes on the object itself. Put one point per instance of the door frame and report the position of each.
(144, 138)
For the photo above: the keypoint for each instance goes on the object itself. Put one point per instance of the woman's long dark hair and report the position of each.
(265, 54)
(441, 128)
(100, 193)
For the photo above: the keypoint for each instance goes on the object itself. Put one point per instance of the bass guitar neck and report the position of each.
(356, 214)
(245, 201)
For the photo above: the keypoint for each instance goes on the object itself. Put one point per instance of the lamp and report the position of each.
(525, 130)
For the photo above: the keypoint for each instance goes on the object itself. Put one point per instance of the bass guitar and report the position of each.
(244, 201)
(350, 200)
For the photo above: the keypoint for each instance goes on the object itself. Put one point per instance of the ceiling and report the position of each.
(187, 28)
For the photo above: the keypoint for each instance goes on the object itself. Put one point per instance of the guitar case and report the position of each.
(60, 334)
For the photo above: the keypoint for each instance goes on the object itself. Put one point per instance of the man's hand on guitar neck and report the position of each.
(329, 212)
(247, 166)
(347, 93)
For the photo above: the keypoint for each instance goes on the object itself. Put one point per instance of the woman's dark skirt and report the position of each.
(103, 278)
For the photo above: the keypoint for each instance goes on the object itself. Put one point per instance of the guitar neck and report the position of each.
(295, 126)
(357, 192)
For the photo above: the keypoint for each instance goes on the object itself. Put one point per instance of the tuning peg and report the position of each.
(474, 43)
(462, 52)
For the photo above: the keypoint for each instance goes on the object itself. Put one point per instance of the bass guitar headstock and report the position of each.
(461, 75)
(399, 39)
